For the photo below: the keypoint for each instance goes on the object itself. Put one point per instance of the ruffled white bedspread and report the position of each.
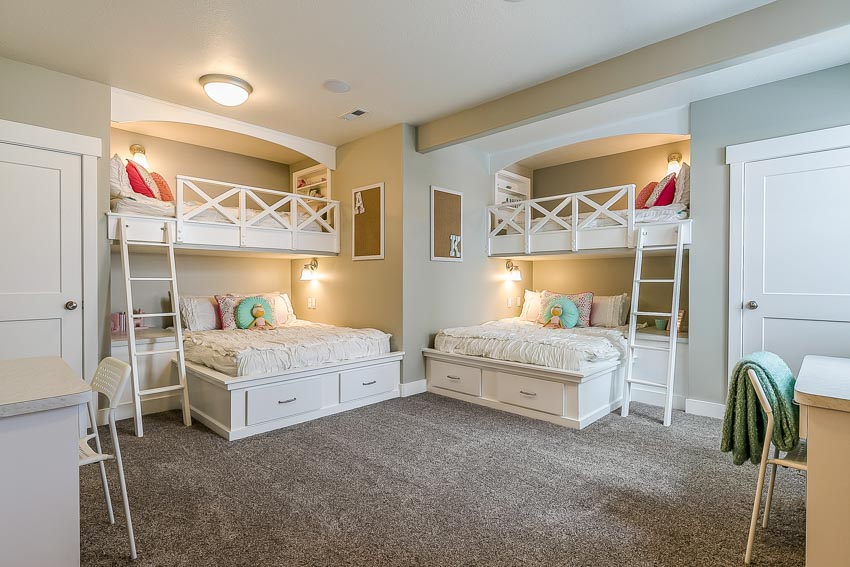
(243, 352)
(524, 341)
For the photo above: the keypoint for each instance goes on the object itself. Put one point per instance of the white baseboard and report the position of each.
(653, 398)
(413, 388)
(708, 409)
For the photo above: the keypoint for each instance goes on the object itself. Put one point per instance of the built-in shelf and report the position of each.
(314, 181)
(511, 187)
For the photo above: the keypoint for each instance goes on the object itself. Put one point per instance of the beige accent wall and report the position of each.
(710, 47)
(34, 95)
(365, 293)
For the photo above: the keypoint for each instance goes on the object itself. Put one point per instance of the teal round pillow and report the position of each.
(568, 316)
(244, 311)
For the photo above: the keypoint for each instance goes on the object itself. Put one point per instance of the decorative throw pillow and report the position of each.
(137, 182)
(146, 177)
(662, 185)
(164, 189)
(643, 196)
(199, 312)
(119, 182)
(228, 303)
(560, 313)
(254, 313)
(666, 196)
(583, 301)
(683, 186)
(530, 306)
(283, 312)
(609, 310)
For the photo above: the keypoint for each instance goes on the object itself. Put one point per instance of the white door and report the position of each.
(41, 254)
(797, 256)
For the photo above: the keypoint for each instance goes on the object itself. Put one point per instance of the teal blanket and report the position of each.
(744, 422)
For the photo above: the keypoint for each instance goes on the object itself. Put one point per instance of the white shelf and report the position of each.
(308, 175)
(511, 186)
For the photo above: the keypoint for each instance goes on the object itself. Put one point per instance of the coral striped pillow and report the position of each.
(136, 182)
(643, 196)
(164, 190)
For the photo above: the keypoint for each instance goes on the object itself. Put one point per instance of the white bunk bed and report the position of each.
(215, 214)
(557, 225)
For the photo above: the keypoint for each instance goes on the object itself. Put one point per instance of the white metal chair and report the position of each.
(110, 380)
(794, 459)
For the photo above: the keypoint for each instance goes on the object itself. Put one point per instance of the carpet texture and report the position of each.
(427, 480)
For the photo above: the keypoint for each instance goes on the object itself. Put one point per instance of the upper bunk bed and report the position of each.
(219, 215)
(581, 221)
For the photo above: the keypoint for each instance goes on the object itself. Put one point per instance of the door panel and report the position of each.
(42, 254)
(797, 256)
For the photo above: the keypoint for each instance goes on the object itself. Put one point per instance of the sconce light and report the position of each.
(513, 271)
(137, 153)
(308, 274)
(674, 163)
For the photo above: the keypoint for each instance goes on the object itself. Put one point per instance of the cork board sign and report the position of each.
(446, 225)
(367, 223)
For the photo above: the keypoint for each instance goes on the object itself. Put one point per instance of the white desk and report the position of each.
(823, 392)
(39, 473)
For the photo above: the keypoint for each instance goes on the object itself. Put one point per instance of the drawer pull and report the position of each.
(524, 393)
(452, 377)
(369, 383)
(289, 401)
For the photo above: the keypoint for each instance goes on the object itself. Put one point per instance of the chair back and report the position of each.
(110, 379)
(756, 383)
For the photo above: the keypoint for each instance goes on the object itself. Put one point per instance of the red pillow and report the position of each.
(666, 188)
(136, 182)
(643, 196)
(164, 189)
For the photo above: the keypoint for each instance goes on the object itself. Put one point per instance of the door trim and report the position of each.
(90, 150)
(737, 157)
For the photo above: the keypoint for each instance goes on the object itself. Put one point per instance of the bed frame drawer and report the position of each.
(531, 393)
(370, 381)
(456, 377)
(282, 400)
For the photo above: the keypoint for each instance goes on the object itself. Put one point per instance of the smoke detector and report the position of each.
(356, 113)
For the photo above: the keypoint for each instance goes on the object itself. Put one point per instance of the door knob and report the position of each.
(71, 305)
(752, 305)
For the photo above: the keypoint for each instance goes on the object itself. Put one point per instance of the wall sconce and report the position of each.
(137, 153)
(513, 271)
(308, 273)
(674, 163)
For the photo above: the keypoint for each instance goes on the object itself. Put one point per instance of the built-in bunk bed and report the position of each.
(569, 376)
(244, 380)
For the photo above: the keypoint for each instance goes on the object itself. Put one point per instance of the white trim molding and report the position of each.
(49, 139)
(413, 388)
(707, 409)
(784, 146)
(133, 107)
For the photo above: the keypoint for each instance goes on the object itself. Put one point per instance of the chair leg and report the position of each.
(748, 555)
(123, 483)
(106, 492)
(769, 494)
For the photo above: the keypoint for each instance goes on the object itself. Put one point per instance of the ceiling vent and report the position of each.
(356, 113)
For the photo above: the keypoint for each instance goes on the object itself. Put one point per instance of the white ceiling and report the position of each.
(407, 60)
(599, 147)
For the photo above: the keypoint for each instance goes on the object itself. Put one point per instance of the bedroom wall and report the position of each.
(366, 293)
(448, 294)
(38, 96)
(801, 104)
(197, 274)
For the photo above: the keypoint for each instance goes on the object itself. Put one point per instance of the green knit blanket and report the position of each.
(744, 422)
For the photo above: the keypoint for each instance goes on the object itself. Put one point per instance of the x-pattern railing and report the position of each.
(504, 216)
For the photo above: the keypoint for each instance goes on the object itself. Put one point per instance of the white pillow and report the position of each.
(119, 181)
(200, 312)
(531, 305)
(683, 186)
(609, 310)
(284, 314)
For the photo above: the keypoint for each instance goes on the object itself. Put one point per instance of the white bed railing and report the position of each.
(560, 218)
(252, 209)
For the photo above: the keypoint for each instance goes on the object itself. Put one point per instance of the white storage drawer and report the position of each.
(456, 377)
(531, 393)
(282, 400)
(369, 381)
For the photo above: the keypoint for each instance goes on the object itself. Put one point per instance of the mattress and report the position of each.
(517, 340)
(667, 213)
(301, 344)
(153, 207)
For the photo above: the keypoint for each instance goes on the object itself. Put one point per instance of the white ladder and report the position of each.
(132, 317)
(667, 387)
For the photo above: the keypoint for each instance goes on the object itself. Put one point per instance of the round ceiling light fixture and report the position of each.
(226, 90)
(336, 86)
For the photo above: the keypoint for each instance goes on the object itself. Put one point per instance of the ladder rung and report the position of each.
(90, 437)
(160, 390)
(655, 281)
(665, 247)
(648, 383)
(151, 279)
(143, 315)
(145, 243)
(650, 347)
(161, 351)
(653, 314)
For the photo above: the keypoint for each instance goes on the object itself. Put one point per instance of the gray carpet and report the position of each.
(427, 480)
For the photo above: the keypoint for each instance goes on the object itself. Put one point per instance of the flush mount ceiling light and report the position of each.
(336, 86)
(225, 89)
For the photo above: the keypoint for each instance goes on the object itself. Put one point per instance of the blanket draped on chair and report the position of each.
(744, 422)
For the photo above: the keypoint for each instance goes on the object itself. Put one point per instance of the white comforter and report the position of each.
(249, 352)
(518, 340)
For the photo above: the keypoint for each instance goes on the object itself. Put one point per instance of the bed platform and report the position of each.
(241, 406)
(570, 398)
(214, 214)
(578, 222)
